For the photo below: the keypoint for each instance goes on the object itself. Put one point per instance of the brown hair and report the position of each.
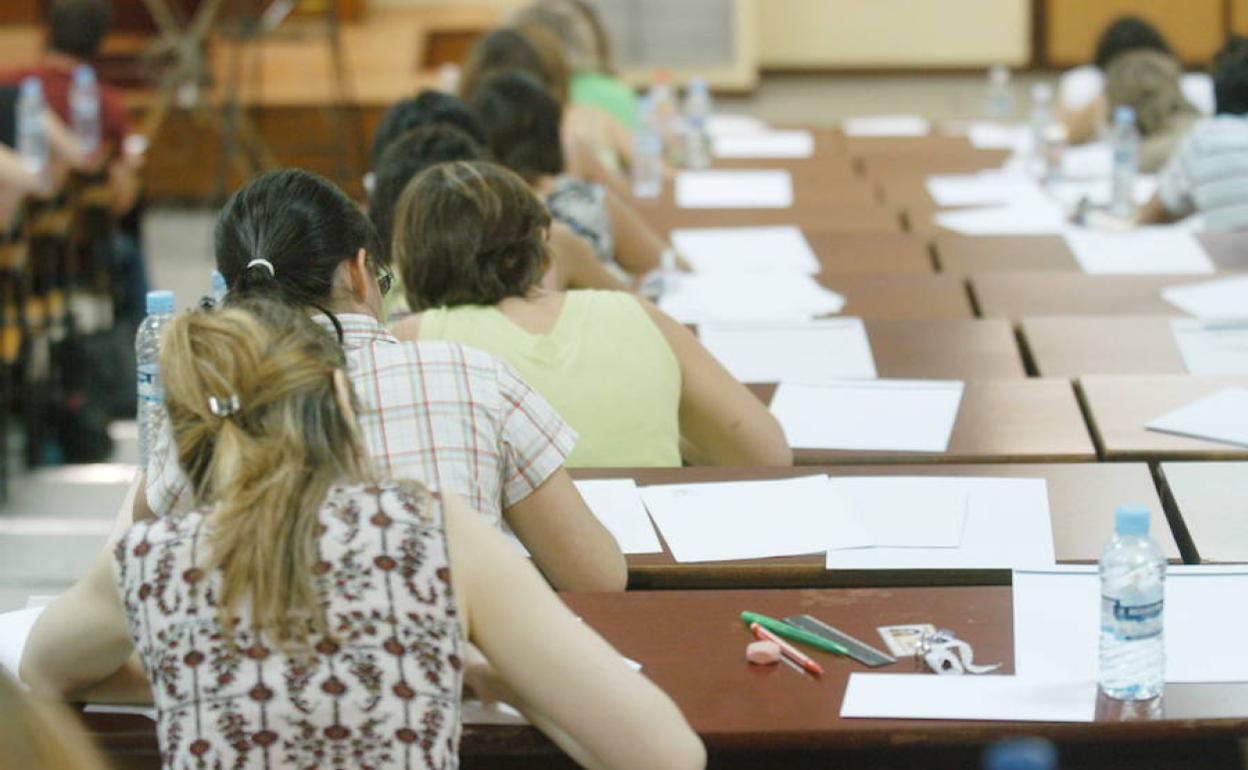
(37, 734)
(469, 233)
(1148, 82)
(532, 50)
(586, 45)
(261, 435)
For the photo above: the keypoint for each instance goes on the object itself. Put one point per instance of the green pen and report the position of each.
(780, 628)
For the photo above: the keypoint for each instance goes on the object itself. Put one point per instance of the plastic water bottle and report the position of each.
(32, 137)
(647, 152)
(1041, 120)
(1124, 138)
(667, 117)
(697, 113)
(998, 101)
(1021, 754)
(1133, 574)
(84, 108)
(151, 412)
(219, 288)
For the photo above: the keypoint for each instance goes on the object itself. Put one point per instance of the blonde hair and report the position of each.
(265, 467)
(37, 734)
(1148, 82)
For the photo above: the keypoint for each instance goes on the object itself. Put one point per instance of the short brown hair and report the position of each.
(469, 233)
(530, 50)
(76, 27)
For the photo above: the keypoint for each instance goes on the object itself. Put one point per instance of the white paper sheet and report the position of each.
(617, 504)
(1070, 192)
(762, 189)
(752, 519)
(1007, 525)
(110, 708)
(817, 351)
(983, 189)
(886, 125)
(1143, 250)
(1225, 298)
(726, 296)
(1088, 161)
(15, 626)
(722, 124)
(764, 144)
(1000, 136)
(1222, 417)
(1210, 348)
(1030, 217)
(782, 248)
(898, 415)
(992, 698)
(908, 512)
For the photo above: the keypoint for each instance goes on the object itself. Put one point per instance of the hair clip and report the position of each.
(266, 264)
(224, 407)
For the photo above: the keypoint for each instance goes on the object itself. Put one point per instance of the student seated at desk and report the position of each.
(310, 612)
(456, 419)
(1208, 174)
(38, 734)
(1148, 83)
(522, 121)
(637, 386)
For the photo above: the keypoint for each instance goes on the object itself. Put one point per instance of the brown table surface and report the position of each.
(1119, 406)
(1072, 346)
(1000, 421)
(1211, 498)
(963, 254)
(1082, 498)
(1052, 292)
(853, 211)
(869, 252)
(909, 296)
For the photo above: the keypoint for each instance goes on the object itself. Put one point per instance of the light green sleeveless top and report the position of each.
(607, 93)
(604, 366)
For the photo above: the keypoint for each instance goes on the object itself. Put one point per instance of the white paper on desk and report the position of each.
(983, 189)
(1070, 192)
(617, 504)
(827, 349)
(992, 698)
(752, 519)
(764, 144)
(15, 627)
(111, 708)
(908, 511)
(1223, 299)
(1210, 348)
(884, 415)
(727, 296)
(720, 189)
(780, 248)
(1088, 161)
(1221, 417)
(724, 124)
(1007, 525)
(1143, 250)
(886, 125)
(1000, 136)
(1036, 216)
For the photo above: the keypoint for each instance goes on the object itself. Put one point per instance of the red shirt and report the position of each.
(114, 125)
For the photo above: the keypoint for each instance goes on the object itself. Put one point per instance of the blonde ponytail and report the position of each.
(262, 437)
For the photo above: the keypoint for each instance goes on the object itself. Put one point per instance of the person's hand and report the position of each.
(481, 680)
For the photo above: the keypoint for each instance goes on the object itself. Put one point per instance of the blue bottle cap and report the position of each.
(159, 302)
(218, 281)
(84, 74)
(1124, 115)
(1131, 520)
(32, 85)
(1021, 754)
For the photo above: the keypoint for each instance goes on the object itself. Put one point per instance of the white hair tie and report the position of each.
(266, 264)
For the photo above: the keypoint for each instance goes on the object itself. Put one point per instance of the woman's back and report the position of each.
(603, 365)
(383, 692)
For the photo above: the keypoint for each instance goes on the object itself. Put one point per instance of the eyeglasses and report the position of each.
(385, 279)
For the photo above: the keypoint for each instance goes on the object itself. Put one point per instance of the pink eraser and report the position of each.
(763, 653)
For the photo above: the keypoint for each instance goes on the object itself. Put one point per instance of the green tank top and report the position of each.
(606, 93)
(604, 366)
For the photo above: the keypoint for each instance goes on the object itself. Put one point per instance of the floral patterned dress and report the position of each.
(383, 692)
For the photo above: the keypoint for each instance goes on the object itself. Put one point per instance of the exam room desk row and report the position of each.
(690, 643)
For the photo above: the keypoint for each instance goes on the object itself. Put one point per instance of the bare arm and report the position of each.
(638, 246)
(563, 676)
(1083, 124)
(576, 266)
(1154, 213)
(721, 421)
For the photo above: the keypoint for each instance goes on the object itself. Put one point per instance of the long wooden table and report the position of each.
(1082, 498)
(1020, 294)
(909, 296)
(964, 254)
(999, 421)
(1072, 346)
(1119, 407)
(1211, 500)
(878, 253)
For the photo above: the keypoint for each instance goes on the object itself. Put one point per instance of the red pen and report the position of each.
(788, 650)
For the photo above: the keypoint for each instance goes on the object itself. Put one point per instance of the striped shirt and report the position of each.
(1208, 174)
(453, 418)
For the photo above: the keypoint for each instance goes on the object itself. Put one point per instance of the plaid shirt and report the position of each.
(451, 417)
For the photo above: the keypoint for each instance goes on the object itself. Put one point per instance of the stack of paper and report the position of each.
(731, 296)
(825, 350)
(763, 189)
(880, 415)
(1210, 348)
(764, 144)
(982, 189)
(1143, 250)
(886, 125)
(1221, 417)
(617, 504)
(1213, 300)
(1033, 216)
(746, 249)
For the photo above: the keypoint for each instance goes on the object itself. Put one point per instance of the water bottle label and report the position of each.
(1134, 621)
(150, 389)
